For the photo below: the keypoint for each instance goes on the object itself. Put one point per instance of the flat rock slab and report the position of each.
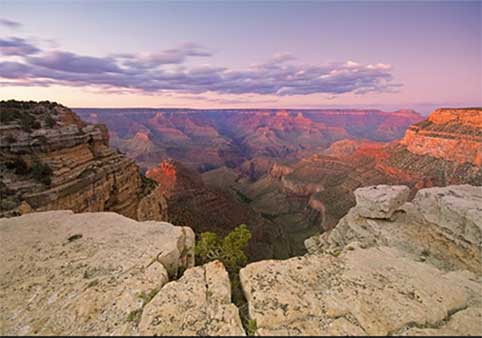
(199, 303)
(380, 201)
(84, 274)
(375, 291)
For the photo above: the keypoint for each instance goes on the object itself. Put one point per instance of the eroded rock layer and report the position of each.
(50, 159)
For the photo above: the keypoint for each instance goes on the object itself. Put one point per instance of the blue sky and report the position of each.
(249, 54)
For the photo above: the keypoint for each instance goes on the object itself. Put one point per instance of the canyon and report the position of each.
(287, 174)
(311, 195)
(373, 231)
(235, 154)
(250, 140)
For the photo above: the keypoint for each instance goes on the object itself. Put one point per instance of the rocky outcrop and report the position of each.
(456, 209)
(380, 201)
(197, 304)
(85, 274)
(417, 273)
(55, 161)
(376, 291)
(441, 225)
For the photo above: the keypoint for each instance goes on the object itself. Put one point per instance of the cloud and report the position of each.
(168, 72)
(10, 23)
(17, 46)
(72, 63)
(170, 56)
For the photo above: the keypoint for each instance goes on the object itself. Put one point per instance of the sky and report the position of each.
(250, 54)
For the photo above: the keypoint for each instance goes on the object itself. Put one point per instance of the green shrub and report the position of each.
(135, 316)
(229, 250)
(42, 172)
(147, 184)
(252, 327)
(7, 115)
(28, 122)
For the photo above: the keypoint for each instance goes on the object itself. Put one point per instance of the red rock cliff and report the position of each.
(450, 134)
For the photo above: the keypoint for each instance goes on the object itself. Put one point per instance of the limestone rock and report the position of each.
(380, 201)
(197, 304)
(375, 291)
(84, 274)
(441, 226)
(458, 209)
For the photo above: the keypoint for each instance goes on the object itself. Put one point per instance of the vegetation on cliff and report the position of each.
(231, 252)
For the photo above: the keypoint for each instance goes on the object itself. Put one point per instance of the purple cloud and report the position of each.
(17, 46)
(10, 23)
(166, 71)
(72, 63)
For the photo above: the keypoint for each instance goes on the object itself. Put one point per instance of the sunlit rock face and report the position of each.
(450, 134)
(53, 160)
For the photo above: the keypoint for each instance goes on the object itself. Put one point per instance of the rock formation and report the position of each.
(199, 303)
(450, 134)
(85, 274)
(53, 160)
(417, 274)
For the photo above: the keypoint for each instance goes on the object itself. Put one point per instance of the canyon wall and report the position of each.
(450, 134)
(442, 150)
(250, 140)
(53, 160)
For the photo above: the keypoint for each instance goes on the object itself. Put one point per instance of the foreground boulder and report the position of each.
(441, 226)
(197, 304)
(457, 209)
(418, 272)
(91, 273)
(380, 201)
(375, 291)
